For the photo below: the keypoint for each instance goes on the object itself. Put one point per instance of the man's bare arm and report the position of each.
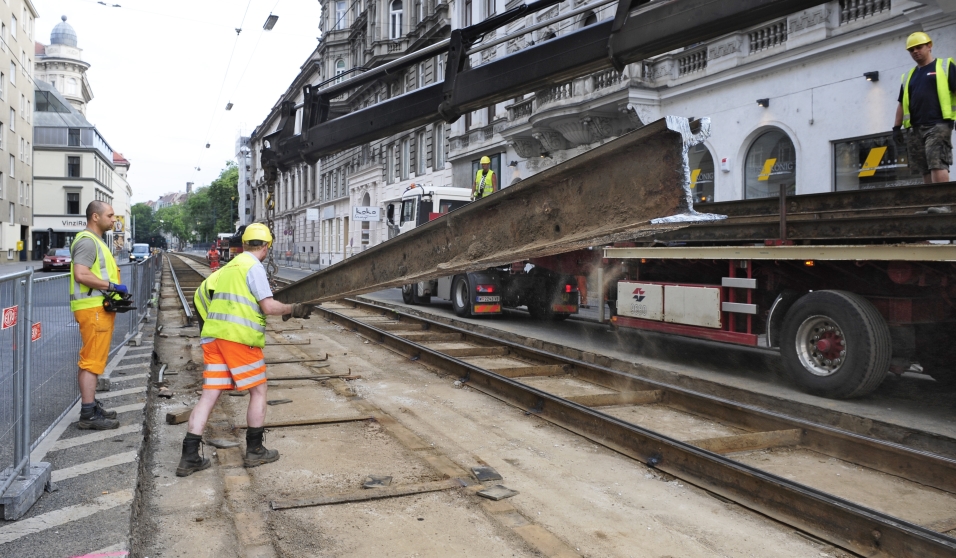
(272, 307)
(85, 277)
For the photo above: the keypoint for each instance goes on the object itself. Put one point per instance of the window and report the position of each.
(74, 137)
(406, 155)
(13, 214)
(489, 8)
(340, 21)
(771, 164)
(71, 86)
(13, 166)
(73, 203)
(871, 162)
(339, 70)
(23, 104)
(13, 27)
(23, 148)
(73, 167)
(390, 165)
(420, 155)
(438, 146)
(421, 76)
(20, 192)
(13, 120)
(701, 173)
(3, 86)
(13, 73)
(467, 13)
(589, 19)
(26, 193)
(439, 68)
(395, 20)
(366, 225)
(3, 35)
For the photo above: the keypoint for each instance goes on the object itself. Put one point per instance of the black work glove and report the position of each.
(299, 310)
(898, 135)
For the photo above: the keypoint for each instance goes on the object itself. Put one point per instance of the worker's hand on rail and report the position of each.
(299, 311)
(117, 288)
(898, 135)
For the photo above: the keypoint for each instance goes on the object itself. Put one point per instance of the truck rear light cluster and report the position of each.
(569, 288)
(485, 288)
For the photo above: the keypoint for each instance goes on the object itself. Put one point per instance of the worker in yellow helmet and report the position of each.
(924, 117)
(486, 182)
(233, 335)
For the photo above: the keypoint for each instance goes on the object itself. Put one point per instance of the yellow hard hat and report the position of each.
(486, 160)
(257, 231)
(916, 39)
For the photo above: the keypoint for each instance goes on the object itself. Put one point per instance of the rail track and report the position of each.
(869, 496)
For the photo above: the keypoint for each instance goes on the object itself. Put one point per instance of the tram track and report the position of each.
(603, 405)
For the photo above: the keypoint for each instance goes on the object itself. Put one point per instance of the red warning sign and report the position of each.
(36, 332)
(9, 317)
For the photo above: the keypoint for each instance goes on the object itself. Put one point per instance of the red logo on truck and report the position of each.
(639, 294)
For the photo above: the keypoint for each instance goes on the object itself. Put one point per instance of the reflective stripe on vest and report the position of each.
(104, 267)
(202, 298)
(233, 313)
(942, 91)
(484, 184)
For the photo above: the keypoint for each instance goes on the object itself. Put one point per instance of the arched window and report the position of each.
(771, 164)
(589, 19)
(701, 173)
(395, 20)
(71, 87)
(339, 69)
(366, 225)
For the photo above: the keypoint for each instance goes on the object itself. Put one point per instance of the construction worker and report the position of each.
(486, 183)
(924, 117)
(93, 271)
(213, 258)
(232, 339)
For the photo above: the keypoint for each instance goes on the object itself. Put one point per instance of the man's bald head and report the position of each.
(99, 216)
(98, 207)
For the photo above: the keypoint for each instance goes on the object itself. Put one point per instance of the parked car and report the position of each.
(57, 258)
(139, 253)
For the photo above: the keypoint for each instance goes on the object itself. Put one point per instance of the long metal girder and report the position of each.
(610, 193)
(642, 29)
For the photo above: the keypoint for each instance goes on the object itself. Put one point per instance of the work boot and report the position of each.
(93, 419)
(107, 413)
(256, 453)
(191, 461)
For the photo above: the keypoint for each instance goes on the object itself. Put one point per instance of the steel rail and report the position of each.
(179, 292)
(843, 523)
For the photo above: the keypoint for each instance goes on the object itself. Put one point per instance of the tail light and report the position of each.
(485, 288)
(569, 288)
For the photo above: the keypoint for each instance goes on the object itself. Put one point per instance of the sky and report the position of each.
(157, 69)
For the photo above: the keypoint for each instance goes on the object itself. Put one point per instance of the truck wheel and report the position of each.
(836, 344)
(461, 297)
(408, 294)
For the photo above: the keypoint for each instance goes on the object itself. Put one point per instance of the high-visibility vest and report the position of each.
(234, 314)
(484, 183)
(942, 89)
(104, 267)
(204, 293)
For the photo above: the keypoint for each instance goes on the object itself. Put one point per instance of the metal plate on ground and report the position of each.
(278, 401)
(376, 481)
(497, 492)
(483, 474)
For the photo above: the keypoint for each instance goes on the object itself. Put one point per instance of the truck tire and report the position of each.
(461, 297)
(408, 294)
(836, 344)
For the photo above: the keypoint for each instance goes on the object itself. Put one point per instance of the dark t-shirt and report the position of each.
(924, 100)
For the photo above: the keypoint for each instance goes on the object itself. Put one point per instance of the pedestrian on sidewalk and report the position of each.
(93, 271)
(233, 335)
(927, 110)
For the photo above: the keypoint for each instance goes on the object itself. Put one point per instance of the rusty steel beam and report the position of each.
(610, 193)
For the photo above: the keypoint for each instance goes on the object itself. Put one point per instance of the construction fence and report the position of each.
(39, 346)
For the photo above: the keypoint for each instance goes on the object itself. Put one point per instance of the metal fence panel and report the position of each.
(53, 381)
(13, 424)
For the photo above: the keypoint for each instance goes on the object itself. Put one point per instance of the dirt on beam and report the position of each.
(629, 187)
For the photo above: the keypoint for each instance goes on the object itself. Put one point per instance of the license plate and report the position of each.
(488, 299)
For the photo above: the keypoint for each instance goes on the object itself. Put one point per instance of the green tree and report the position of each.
(171, 221)
(145, 221)
(212, 209)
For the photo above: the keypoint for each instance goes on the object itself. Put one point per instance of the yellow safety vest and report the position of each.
(484, 189)
(202, 298)
(104, 267)
(234, 314)
(942, 89)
